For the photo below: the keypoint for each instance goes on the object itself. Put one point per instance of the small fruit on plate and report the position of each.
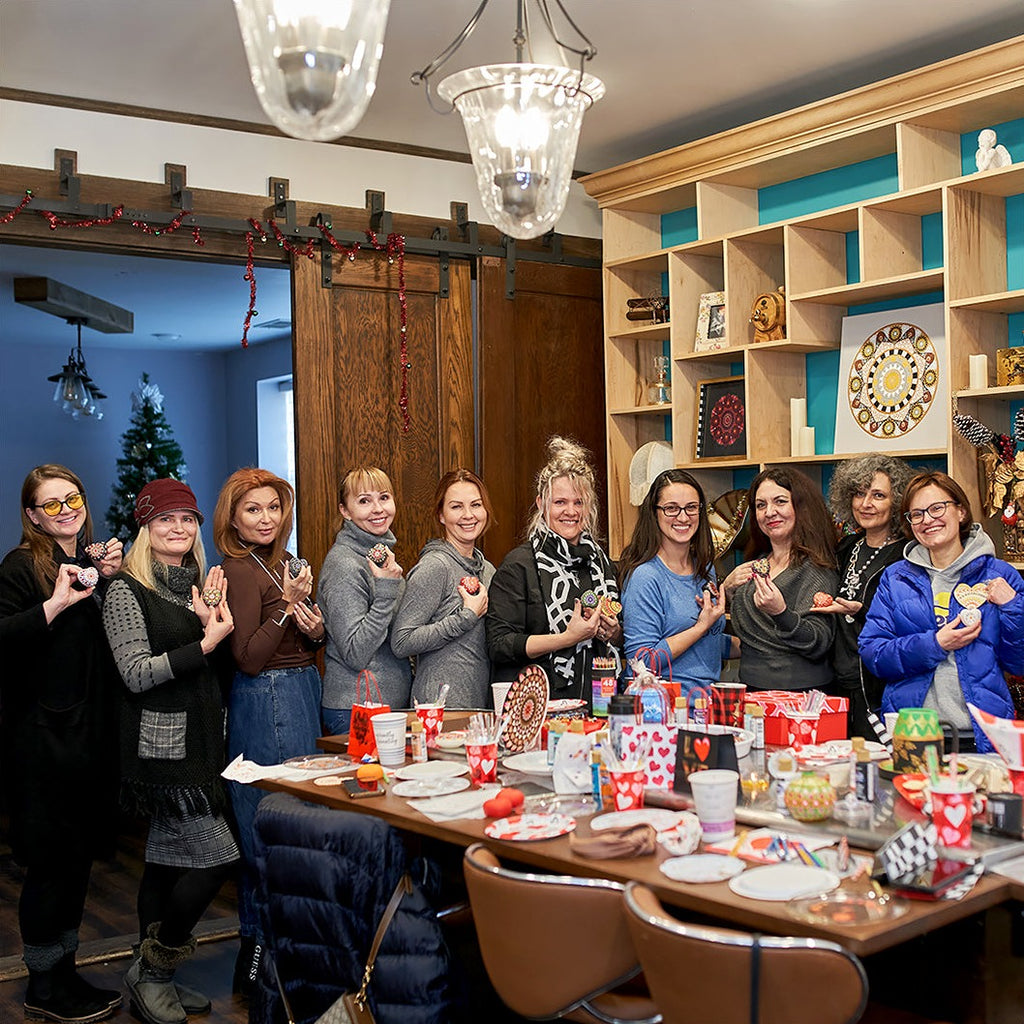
(514, 796)
(470, 584)
(369, 775)
(497, 807)
(822, 600)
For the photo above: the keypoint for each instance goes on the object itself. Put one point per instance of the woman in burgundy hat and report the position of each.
(165, 617)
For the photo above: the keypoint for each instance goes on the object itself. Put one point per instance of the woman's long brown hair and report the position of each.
(40, 544)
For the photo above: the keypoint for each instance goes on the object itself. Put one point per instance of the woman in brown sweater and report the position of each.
(274, 705)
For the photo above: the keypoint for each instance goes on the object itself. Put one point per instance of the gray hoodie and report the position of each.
(945, 694)
(358, 608)
(433, 624)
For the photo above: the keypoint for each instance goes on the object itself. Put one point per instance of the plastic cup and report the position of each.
(714, 797)
(482, 759)
(499, 691)
(389, 734)
(432, 717)
(628, 789)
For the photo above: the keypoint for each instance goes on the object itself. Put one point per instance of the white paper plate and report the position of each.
(702, 867)
(659, 817)
(432, 770)
(779, 882)
(533, 762)
(451, 740)
(528, 827)
(430, 787)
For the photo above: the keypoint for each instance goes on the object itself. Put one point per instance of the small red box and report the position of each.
(831, 722)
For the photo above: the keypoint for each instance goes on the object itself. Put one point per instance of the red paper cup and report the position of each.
(628, 789)
(953, 806)
(801, 728)
(482, 759)
(432, 717)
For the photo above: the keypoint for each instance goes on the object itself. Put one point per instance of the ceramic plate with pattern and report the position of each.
(525, 709)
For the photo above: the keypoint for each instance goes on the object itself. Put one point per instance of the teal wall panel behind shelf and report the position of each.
(679, 227)
(822, 191)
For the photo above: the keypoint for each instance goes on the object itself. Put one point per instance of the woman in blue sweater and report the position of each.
(670, 601)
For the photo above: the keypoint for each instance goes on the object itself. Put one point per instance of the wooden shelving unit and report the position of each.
(919, 120)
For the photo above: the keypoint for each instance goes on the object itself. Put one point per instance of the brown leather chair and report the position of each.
(555, 946)
(699, 974)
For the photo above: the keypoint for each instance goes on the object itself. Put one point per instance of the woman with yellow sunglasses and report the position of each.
(58, 749)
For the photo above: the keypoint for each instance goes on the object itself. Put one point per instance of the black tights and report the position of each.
(52, 901)
(177, 898)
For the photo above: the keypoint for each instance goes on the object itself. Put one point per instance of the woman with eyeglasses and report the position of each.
(867, 493)
(166, 618)
(536, 613)
(783, 645)
(671, 603)
(58, 745)
(922, 637)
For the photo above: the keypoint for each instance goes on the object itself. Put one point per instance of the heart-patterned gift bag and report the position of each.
(661, 761)
(697, 750)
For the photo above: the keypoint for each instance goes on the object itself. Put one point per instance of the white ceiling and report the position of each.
(674, 70)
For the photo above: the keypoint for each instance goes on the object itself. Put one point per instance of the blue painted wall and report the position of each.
(243, 368)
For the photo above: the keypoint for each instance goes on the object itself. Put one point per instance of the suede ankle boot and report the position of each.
(154, 998)
(193, 1002)
(50, 998)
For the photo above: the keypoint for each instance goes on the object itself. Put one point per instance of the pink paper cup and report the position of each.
(432, 717)
(482, 759)
(628, 789)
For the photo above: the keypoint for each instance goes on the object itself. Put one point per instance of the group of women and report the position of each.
(143, 653)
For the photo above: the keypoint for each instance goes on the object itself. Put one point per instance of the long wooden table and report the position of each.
(714, 900)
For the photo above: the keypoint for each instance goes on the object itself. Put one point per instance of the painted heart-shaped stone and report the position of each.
(971, 597)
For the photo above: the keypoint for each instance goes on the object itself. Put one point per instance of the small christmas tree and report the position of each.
(150, 453)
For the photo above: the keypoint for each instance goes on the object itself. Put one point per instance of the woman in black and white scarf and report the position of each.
(535, 615)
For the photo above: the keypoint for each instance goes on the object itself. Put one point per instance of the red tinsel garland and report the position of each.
(393, 248)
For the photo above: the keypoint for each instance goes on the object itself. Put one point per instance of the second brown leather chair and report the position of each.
(555, 946)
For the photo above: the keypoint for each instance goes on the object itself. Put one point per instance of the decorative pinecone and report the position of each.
(972, 431)
(97, 551)
(296, 565)
(378, 554)
(88, 577)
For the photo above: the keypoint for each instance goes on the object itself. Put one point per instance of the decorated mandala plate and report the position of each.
(524, 828)
(525, 709)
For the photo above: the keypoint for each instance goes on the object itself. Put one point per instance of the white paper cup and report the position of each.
(499, 691)
(714, 796)
(890, 721)
(389, 734)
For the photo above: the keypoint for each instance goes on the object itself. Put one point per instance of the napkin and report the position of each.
(634, 841)
(241, 770)
(467, 804)
(571, 772)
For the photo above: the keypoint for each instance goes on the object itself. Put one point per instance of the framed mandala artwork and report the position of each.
(893, 381)
(721, 430)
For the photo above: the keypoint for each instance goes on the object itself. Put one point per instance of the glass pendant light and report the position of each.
(523, 125)
(313, 63)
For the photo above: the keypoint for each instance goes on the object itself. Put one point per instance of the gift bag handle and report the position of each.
(367, 676)
(701, 692)
(655, 659)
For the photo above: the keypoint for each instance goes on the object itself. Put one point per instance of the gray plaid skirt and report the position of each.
(193, 841)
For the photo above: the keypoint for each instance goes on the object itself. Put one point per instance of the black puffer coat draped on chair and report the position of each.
(326, 877)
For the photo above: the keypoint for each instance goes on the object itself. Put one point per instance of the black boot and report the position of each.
(67, 971)
(49, 997)
(154, 998)
(247, 966)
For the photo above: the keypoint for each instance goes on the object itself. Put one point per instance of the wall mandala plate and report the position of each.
(892, 376)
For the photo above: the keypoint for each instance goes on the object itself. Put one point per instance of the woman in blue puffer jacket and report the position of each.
(917, 636)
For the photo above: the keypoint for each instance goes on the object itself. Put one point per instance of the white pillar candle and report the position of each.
(806, 441)
(797, 422)
(977, 371)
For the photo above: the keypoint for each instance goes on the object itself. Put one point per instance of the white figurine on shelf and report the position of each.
(990, 155)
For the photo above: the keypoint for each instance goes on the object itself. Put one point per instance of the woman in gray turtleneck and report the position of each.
(358, 599)
(440, 619)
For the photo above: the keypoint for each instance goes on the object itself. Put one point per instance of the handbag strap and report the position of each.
(404, 886)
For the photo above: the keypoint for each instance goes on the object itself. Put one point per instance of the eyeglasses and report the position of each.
(936, 510)
(53, 507)
(672, 511)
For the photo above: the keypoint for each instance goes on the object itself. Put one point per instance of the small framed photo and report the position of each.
(721, 429)
(711, 323)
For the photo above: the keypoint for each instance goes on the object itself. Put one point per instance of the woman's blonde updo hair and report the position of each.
(569, 459)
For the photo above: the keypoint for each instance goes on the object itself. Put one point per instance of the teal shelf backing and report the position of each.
(827, 189)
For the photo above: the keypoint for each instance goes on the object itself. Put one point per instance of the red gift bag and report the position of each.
(360, 734)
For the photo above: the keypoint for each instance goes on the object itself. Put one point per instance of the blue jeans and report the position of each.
(336, 720)
(271, 717)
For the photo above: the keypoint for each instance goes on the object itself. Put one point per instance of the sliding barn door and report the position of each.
(347, 379)
(541, 373)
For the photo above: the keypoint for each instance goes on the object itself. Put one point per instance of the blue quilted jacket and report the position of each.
(326, 877)
(898, 640)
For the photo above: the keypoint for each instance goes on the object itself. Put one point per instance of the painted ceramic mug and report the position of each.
(916, 730)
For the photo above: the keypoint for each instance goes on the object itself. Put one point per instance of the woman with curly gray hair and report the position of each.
(866, 493)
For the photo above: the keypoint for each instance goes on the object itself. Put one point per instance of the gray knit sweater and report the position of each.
(358, 608)
(788, 651)
(447, 638)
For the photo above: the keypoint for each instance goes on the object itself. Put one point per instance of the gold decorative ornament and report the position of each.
(768, 315)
